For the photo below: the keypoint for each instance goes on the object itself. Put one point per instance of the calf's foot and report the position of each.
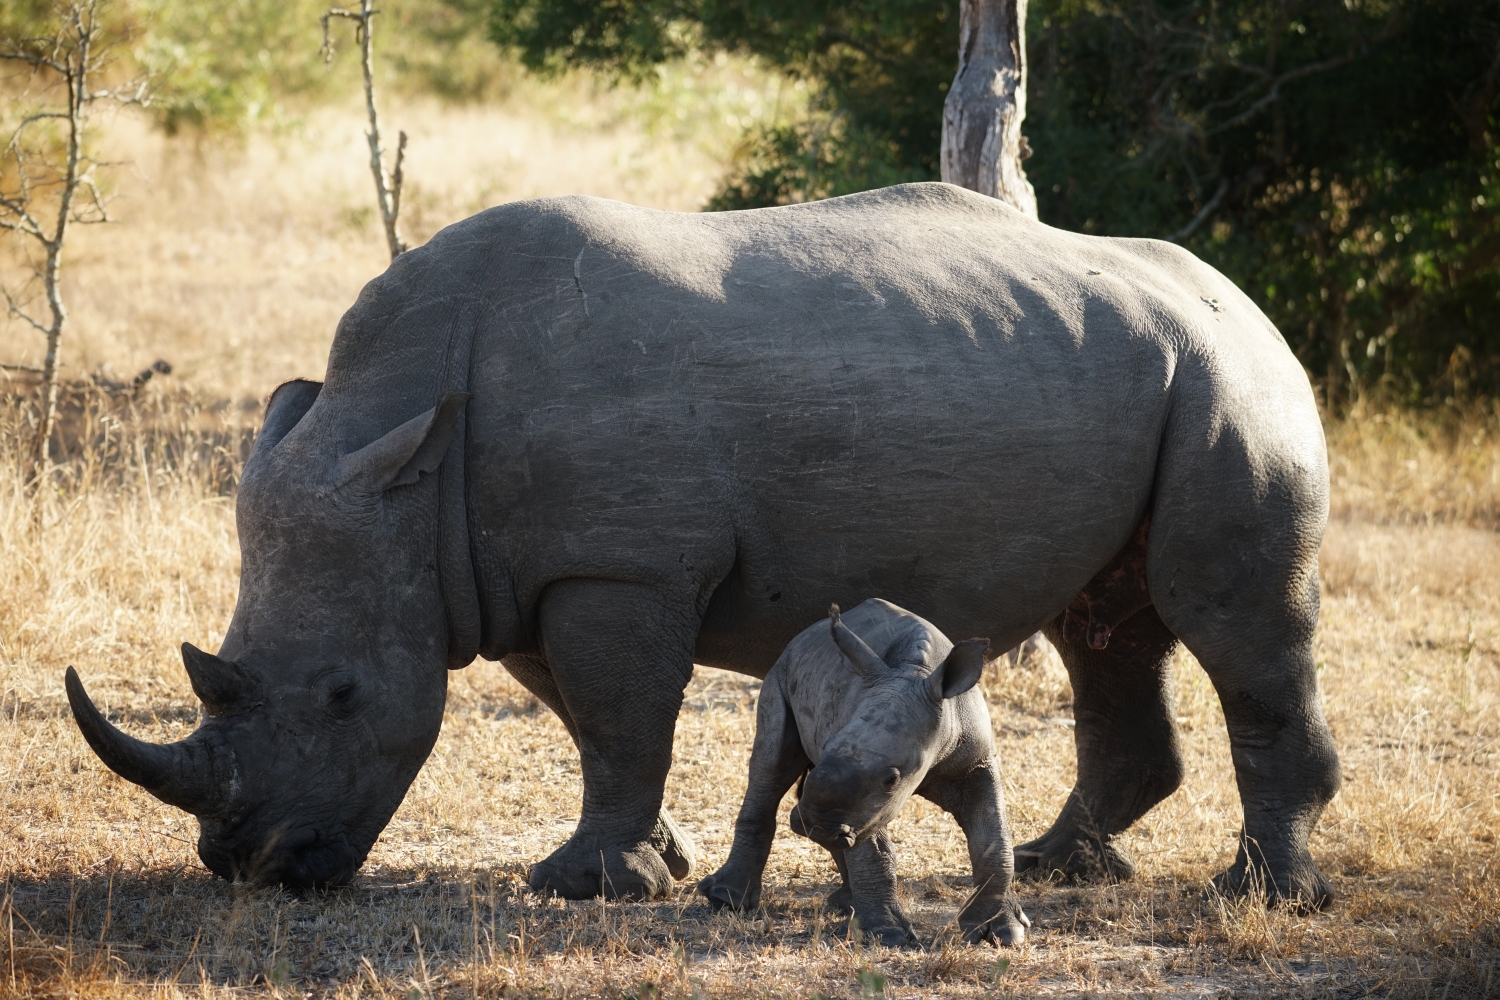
(1000, 921)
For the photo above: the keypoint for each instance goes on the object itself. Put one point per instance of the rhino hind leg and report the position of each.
(1129, 758)
(1234, 574)
(619, 656)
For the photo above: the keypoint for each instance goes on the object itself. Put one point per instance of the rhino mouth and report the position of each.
(826, 832)
(300, 860)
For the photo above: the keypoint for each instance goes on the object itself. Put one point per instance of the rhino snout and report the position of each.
(836, 805)
(826, 833)
(298, 861)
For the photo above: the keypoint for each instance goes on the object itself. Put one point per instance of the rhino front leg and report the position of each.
(776, 762)
(870, 871)
(620, 656)
(977, 803)
(841, 900)
(675, 846)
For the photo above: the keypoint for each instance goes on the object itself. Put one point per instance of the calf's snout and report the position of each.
(831, 810)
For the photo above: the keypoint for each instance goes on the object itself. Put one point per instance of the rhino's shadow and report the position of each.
(183, 925)
(159, 925)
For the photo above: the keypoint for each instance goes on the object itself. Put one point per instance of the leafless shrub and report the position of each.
(52, 181)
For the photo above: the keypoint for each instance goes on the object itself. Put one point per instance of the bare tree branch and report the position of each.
(14, 308)
(387, 186)
(1209, 208)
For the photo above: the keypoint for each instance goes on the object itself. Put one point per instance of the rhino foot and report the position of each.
(727, 889)
(886, 926)
(840, 901)
(1299, 884)
(583, 869)
(1007, 927)
(674, 846)
(1075, 858)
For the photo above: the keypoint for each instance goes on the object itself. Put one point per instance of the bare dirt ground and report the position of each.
(234, 263)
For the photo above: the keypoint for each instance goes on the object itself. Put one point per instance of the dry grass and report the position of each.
(235, 263)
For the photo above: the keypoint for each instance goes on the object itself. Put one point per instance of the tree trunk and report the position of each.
(77, 66)
(982, 142)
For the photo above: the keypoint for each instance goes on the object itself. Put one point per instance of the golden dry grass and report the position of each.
(235, 263)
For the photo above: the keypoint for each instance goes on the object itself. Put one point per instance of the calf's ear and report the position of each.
(961, 670)
(401, 456)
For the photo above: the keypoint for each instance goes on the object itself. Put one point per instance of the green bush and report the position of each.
(227, 64)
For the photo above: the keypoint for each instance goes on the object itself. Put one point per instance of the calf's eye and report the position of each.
(892, 778)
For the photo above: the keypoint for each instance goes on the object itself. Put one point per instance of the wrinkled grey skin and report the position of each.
(871, 708)
(685, 435)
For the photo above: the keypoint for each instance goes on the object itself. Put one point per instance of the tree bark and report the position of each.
(982, 142)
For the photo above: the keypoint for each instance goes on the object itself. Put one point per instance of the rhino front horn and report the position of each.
(180, 774)
(864, 659)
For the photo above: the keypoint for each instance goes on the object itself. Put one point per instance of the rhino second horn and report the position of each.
(853, 647)
(180, 774)
(220, 684)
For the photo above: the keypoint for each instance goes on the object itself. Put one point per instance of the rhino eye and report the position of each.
(892, 778)
(341, 699)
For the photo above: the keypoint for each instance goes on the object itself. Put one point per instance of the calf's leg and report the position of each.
(870, 869)
(619, 656)
(977, 803)
(1129, 757)
(776, 762)
(841, 900)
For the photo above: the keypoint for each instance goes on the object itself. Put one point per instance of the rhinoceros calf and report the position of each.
(878, 706)
(602, 443)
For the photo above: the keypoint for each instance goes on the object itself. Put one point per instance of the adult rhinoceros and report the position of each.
(602, 443)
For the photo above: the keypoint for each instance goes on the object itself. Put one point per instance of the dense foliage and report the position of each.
(1338, 158)
(226, 63)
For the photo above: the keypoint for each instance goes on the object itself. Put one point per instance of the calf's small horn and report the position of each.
(853, 647)
(180, 774)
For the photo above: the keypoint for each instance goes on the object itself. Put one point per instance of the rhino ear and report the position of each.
(400, 457)
(287, 406)
(961, 670)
